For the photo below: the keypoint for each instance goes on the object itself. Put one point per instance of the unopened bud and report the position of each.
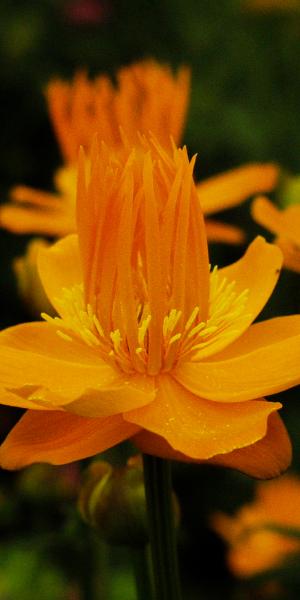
(112, 500)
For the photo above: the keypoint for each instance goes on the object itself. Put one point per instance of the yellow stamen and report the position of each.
(180, 340)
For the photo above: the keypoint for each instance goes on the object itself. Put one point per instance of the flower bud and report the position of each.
(113, 501)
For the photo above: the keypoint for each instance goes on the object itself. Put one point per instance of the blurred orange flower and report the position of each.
(149, 343)
(253, 546)
(285, 224)
(148, 97)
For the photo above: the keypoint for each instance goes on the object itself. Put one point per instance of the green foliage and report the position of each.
(24, 571)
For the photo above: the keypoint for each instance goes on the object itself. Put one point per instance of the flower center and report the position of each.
(182, 339)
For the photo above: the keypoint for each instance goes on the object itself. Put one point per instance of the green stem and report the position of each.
(141, 566)
(157, 475)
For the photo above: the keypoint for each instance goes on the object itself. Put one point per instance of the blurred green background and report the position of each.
(244, 107)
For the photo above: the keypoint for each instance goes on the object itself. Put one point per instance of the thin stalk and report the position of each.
(143, 581)
(157, 475)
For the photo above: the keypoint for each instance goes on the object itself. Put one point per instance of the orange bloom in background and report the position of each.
(149, 343)
(253, 546)
(148, 97)
(285, 224)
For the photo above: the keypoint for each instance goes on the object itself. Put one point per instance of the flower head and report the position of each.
(285, 224)
(149, 343)
(147, 97)
(259, 534)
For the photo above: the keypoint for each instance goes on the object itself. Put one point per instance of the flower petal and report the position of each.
(41, 338)
(56, 372)
(291, 253)
(198, 428)
(20, 219)
(217, 231)
(281, 222)
(233, 187)
(269, 457)
(22, 399)
(285, 224)
(58, 438)
(258, 271)
(60, 267)
(265, 360)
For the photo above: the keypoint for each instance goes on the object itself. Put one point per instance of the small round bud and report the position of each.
(112, 500)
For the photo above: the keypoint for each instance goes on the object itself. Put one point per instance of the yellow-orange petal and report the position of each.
(255, 274)
(233, 187)
(60, 267)
(222, 232)
(292, 223)
(285, 222)
(22, 399)
(258, 271)
(35, 197)
(41, 339)
(199, 428)
(265, 360)
(20, 219)
(58, 438)
(266, 458)
(57, 372)
(291, 254)
(127, 393)
(269, 457)
(266, 214)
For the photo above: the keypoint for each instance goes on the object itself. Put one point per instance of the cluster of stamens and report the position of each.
(181, 339)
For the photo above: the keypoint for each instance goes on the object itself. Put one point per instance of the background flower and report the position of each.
(147, 97)
(285, 224)
(260, 534)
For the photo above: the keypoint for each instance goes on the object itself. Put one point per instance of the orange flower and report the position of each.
(148, 97)
(149, 344)
(254, 547)
(285, 224)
